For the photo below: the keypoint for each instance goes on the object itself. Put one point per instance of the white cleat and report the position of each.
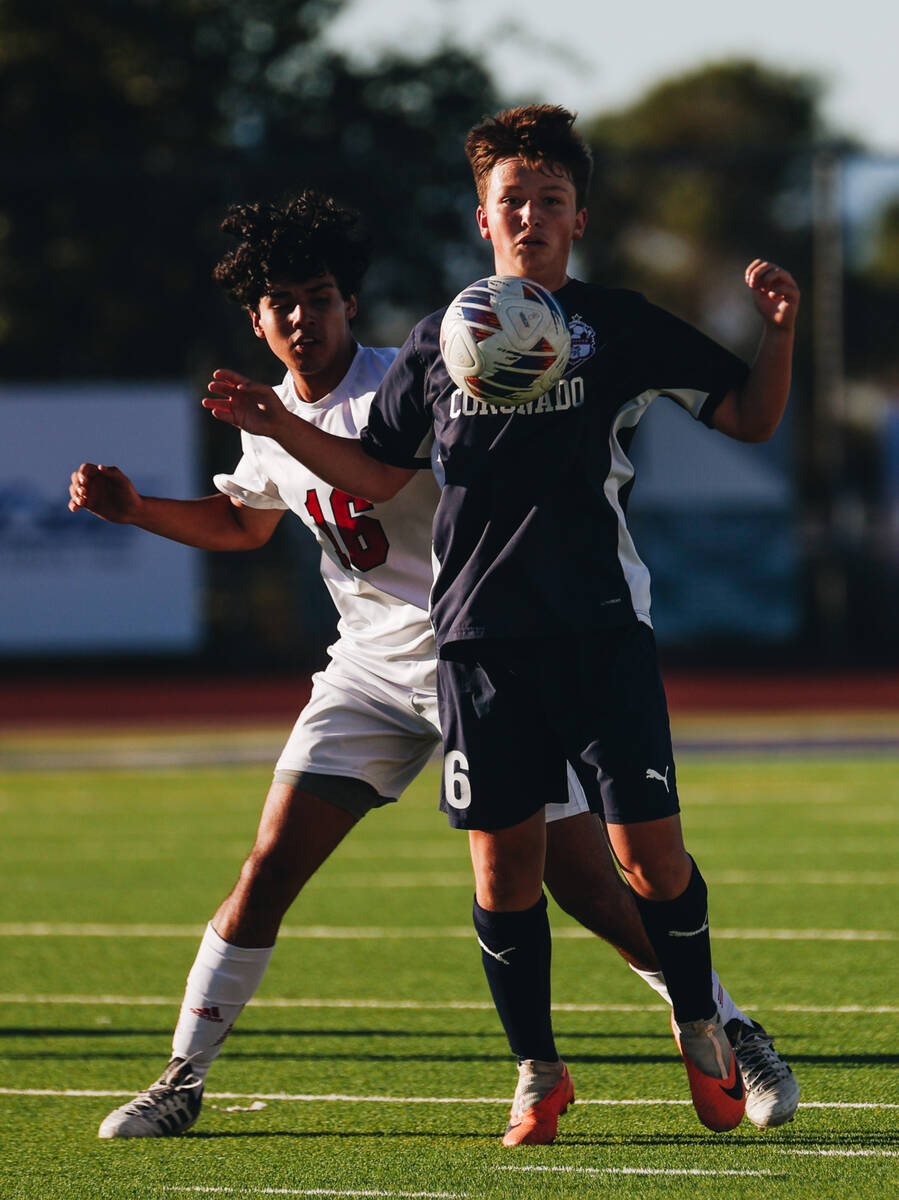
(168, 1107)
(772, 1093)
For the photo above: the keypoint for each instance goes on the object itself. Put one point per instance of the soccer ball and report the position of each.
(505, 340)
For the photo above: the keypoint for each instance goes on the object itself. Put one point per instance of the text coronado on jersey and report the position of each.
(568, 393)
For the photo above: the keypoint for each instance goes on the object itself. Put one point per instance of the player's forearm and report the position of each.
(340, 461)
(210, 523)
(753, 412)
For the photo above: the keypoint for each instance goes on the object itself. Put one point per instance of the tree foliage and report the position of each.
(885, 258)
(872, 304)
(705, 172)
(132, 124)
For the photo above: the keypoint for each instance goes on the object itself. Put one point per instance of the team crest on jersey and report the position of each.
(583, 340)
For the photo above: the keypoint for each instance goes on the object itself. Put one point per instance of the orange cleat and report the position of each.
(538, 1124)
(716, 1084)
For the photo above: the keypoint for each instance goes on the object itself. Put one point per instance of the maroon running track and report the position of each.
(70, 700)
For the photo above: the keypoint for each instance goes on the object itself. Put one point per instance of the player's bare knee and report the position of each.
(506, 894)
(658, 880)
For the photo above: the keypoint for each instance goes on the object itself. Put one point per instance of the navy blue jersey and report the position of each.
(530, 532)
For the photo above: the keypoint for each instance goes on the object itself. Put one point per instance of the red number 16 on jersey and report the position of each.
(364, 541)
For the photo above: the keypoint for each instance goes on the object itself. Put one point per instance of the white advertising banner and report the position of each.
(69, 582)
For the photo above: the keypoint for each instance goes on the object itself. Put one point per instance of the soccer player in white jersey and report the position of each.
(371, 723)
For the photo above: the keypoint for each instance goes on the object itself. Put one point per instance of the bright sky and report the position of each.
(590, 55)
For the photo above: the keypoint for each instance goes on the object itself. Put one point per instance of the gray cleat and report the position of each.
(772, 1093)
(168, 1107)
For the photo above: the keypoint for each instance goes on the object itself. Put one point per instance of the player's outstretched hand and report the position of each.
(775, 291)
(104, 491)
(254, 407)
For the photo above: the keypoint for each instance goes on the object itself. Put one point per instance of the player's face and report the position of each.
(307, 326)
(531, 217)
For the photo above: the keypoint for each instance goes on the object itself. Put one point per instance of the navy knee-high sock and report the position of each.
(679, 932)
(516, 950)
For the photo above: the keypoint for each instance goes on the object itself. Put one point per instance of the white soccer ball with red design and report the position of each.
(505, 340)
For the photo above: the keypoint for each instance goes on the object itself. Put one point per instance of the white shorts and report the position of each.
(362, 729)
(359, 726)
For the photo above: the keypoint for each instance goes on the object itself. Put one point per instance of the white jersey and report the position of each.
(376, 558)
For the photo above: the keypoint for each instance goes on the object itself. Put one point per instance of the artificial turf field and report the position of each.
(372, 1063)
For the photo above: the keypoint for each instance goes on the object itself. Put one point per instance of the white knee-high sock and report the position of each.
(726, 1006)
(221, 981)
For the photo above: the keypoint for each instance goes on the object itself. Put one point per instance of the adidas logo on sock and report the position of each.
(208, 1014)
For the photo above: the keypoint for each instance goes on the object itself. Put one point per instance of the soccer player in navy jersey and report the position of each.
(540, 604)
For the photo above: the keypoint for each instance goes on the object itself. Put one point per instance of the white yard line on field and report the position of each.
(436, 880)
(305, 1002)
(27, 998)
(397, 879)
(261, 1191)
(805, 935)
(844, 1153)
(343, 1098)
(451, 879)
(413, 932)
(825, 878)
(640, 1171)
(309, 1098)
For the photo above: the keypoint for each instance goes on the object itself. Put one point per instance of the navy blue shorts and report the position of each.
(512, 713)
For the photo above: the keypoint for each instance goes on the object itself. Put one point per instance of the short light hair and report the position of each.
(541, 135)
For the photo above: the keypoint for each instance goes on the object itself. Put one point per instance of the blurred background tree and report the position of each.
(704, 173)
(129, 128)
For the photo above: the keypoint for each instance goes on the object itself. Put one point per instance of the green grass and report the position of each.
(790, 845)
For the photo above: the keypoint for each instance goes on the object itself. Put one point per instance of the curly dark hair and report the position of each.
(292, 241)
(541, 135)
